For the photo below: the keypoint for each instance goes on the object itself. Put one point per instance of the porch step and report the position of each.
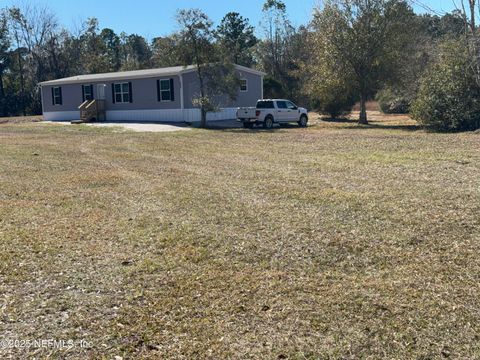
(91, 110)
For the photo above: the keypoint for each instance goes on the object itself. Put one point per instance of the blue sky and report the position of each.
(152, 18)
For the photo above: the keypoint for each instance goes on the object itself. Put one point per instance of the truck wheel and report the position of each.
(248, 125)
(303, 121)
(268, 122)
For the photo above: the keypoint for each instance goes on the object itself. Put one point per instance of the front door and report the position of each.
(101, 106)
(101, 91)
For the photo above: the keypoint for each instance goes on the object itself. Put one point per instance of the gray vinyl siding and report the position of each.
(248, 98)
(71, 98)
(144, 95)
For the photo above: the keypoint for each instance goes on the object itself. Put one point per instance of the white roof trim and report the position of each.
(135, 74)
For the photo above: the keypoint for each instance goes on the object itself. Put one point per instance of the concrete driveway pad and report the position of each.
(133, 126)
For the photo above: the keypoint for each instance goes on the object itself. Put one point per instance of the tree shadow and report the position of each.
(372, 124)
(380, 126)
(233, 125)
(339, 120)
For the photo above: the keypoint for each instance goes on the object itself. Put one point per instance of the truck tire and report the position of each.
(247, 125)
(268, 122)
(303, 121)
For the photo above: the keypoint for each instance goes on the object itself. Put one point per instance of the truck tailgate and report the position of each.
(246, 113)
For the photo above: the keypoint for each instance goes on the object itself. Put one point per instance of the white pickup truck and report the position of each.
(270, 111)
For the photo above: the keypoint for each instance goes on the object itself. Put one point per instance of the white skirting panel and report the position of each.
(191, 115)
(164, 115)
(223, 114)
(170, 115)
(61, 115)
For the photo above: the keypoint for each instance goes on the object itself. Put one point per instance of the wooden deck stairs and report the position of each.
(91, 110)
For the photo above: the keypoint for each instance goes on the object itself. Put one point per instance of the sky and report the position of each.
(151, 18)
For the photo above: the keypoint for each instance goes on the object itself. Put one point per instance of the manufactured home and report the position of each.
(164, 94)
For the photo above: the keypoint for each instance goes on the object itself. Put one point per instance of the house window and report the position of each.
(165, 90)
(87, 91)
(57, 95)
(243, 85)
(122, 92)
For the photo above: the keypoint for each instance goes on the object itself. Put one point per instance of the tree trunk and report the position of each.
(472, 16)
(2, 97)
(22, 82)
(203, 119)
(363, 110)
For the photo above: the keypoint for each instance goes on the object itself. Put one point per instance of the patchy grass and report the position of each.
(334, 242)
(20, 119)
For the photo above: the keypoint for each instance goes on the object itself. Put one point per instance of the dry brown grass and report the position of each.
(20, 119)
(334, 242)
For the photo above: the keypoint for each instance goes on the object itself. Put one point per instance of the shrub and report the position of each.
(338, 103)
(273, 88)
(449, 96)
(331, 95)
(393, 102)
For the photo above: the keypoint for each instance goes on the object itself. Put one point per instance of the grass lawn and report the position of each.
(332, 242)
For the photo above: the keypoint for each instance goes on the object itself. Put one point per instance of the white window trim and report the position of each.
(121, 92)
(85, 87)
(55, 97)
(246, 85)
(169, 90)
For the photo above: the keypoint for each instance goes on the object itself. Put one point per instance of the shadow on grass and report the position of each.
(373, 125)
(353, 124)
(339, 120)
(255, 129)
(232, 125)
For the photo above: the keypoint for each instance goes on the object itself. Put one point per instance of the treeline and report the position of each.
(34, 47)
(350, 51)
(425, 65)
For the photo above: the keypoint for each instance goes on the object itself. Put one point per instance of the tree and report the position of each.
(33, 27)
(236, 38)
(277, 29)
(4, 60)
(361, 36)
(437, 27)
(275, 51)
(408, 59)
(216, 77)
(471, 34)
(449, 96)
(94, 49)
(165, 51)
(112, 47)
(281, 52)
(327, 81)
(136, 52)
